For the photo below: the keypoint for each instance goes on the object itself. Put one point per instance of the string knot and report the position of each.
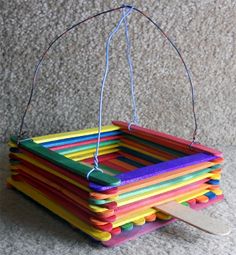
(95, 168)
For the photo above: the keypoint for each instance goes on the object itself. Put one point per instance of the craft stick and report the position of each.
(139, 222)
(54, 207)
(89, 131)
(196, 219)
(163, 216)
(151, 217)
(218, 192)
(152, 133)
(115, 231)
(71, 145)
(202, 199)
(68, 164)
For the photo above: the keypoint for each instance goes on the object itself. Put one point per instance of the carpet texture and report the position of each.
(69, 82)
(27, 228)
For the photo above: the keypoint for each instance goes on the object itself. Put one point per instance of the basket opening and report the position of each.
(119, 152)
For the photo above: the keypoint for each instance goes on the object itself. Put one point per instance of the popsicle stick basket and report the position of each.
(122, 190)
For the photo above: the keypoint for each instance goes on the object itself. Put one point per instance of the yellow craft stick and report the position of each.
(125, 201)
(218, 192)
(89, 131)
(12, 145)
(139, 222)
(216, 177)
(60, 211)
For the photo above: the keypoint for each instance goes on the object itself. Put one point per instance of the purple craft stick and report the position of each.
(153, 170)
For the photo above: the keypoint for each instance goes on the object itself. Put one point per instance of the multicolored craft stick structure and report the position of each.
(142, 169)
(117, 182)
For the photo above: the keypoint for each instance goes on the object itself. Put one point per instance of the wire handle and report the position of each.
(38, 65)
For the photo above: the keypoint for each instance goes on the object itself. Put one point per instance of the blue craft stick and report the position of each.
(214, 182)
(210, 195)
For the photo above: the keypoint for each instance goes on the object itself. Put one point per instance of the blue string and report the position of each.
(126, 13)
(129, 59)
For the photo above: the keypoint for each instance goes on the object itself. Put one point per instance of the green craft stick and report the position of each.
(68, 164)
(185, 203)
(127, 227)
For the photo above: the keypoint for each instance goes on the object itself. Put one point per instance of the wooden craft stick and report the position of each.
(196, 219)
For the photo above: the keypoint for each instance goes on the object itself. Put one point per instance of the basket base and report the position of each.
(149, 227)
